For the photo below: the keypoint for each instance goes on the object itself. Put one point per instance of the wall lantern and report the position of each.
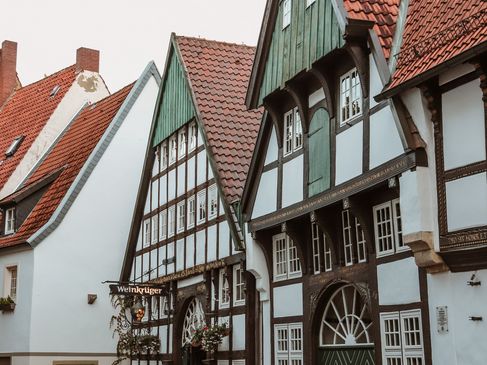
(138, 310)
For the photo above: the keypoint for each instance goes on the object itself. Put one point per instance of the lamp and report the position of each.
(138, 310)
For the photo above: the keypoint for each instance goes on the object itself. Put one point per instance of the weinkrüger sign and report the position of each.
(133, 289)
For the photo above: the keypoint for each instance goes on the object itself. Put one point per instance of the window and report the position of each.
(201, 206)
(146, 232)
(191, 212)
(354, 246)
(286, 260)
(10, 221)
(224, 294)
(11, 282)
(321, 250)
(309, 2)
(181, 216)
(182, 142)
(162, 224)
(388, 228)
(293, 132)
(288, 340)
(193, 132)
(14, 146)
(238, 286)
(173, 146)
(171, 220)
(212, 201)
(164, 156)
(350, 96)
(402, 338)
(286, 13)
(154, 227)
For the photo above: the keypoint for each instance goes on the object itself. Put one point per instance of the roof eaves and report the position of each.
(93, 159)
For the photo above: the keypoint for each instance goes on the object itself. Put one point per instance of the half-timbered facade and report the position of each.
(324, 202)
(186, 232)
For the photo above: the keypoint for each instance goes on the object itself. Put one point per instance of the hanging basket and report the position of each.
(7, 307)
(196, 344)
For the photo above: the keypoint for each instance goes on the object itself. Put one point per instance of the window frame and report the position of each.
(154, 222)
(351, 87)
(9, 221)
(173, 150)
(212, 202)
(395, 235)
(11, 281)
(238, 281)
(191, 220)
(286, 13)
(182, 142)
(288, 354)
(223, 290)
(309, 3)
(171, 221)
(289, 247)
(192, 137)
(292, 125)
(201, 207)
(146, 233)
(180, 219)
(162, 224)
(164, 155)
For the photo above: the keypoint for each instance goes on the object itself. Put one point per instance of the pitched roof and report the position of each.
(69, 155)
(219, 73)
(26, 112)
(382, 12)
(437, 32)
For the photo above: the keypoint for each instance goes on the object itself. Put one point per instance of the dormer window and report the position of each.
(293, 132)
(14, 146)
(286, 13)
(350, 96)
(10, 221)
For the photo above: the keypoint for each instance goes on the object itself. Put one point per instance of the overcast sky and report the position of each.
(128, 33)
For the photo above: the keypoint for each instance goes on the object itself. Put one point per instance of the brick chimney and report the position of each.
(87, 59)
(8, 69)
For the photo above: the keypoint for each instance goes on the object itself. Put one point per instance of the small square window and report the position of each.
(286, 13)
(212, 201)
(191, 211)
(10, 221)
(181, 216)
(171, 220)
(201, 207)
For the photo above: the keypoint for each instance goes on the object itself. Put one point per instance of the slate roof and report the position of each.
(382, 12)
(26, 112)
(68, 155)
(436, 32)
(219, 73)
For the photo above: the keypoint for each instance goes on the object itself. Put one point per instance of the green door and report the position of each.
(346, 356)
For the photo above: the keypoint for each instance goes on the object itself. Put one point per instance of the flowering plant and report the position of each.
(210, 336)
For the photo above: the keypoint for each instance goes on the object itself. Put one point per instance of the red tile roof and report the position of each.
(26, 112)
(382, 12)
(436, 32)
(219, 74)
(69, 154)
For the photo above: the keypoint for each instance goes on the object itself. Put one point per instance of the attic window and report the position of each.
(10, 221)
(54, 90)
(286, 13)
(14, 146)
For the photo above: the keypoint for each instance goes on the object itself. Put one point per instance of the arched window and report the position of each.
(319, 152)
(194, 319)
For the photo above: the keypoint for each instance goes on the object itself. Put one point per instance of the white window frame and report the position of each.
(193, 137)
(353, 91)
(293, 132)
(171, 221)
(164, 155)
(212, 210)
(400, 352)
(181, 216)
(360, 241)
(163, 224)
(173, 154)
(286, 13)
(288, 348)
(9, 220)
(11, 275)
(394, 223)
(347, 238)
(223, 290)
(238, 285)
(182, 141)
(289, 256)
(154, 228)
(146, 233)
(321, 250)
(191, 210)
(201, 207)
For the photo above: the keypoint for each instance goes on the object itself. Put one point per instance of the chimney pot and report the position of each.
(8, 69)
(87, 59)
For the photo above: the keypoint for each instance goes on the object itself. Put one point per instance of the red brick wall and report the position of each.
(8, 69)
(87, 59)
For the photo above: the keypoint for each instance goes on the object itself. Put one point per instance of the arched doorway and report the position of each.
(344, 336)
(193, 319)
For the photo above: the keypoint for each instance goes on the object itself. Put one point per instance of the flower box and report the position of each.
(7, 307)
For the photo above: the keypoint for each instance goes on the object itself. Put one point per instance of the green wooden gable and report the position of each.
(176, 105)
(319, 148)
(313, 33)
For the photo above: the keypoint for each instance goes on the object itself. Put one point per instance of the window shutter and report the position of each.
(319, 153)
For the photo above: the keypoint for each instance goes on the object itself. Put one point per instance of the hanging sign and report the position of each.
(134, 289)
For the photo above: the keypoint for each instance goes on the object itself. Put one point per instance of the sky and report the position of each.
(128, 33)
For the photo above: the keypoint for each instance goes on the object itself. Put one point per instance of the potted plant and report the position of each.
(7, 304)
(212, 336)
(198, 336)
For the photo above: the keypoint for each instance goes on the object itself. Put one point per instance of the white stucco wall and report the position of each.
(349, 149)
(266, 198)
(398, 282)
(77, 95)
(292, 181)
(283, 307)
(89, 244)
(272, 148)
(465, 340)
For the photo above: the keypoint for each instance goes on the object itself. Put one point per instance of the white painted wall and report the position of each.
(465, 341)
(385, 143)
(292, 181)
(398, 282)
(15, 326)
(88, 246)
(266, 197)
(463, 125)
(315, 97)
(257, 265)
(375, 83)
(455, 72)
(238, 332)
(283, 307)
(272, 148)
(77, 95)
(349, 153)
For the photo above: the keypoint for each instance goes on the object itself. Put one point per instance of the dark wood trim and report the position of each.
(394, 257)
(270, 166)
(285, 320)
(179, 160)
(400, 307)
(462, 80)
(464, 171)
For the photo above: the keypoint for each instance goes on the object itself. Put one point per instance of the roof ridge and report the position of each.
(46, 77)
(214, 41)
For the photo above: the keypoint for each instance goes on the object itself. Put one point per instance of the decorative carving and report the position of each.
(421, 243)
